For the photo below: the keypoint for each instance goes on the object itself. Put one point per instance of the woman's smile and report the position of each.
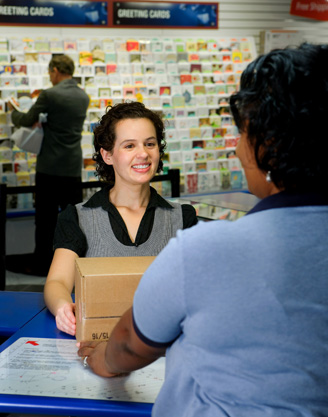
(141, 167)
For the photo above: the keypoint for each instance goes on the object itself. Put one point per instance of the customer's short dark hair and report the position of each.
(63, 63)
(105, 135)
(282, 105)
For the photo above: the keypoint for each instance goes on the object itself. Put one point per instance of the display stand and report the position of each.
(188, 80)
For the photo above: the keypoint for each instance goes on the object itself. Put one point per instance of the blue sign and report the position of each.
(165, 14)
(55, 13)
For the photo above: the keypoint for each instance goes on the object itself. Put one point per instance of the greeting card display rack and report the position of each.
(188, 80)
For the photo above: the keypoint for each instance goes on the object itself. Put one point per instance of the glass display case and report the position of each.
(223, 206)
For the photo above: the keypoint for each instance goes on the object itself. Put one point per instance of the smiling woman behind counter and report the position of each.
(125, 218)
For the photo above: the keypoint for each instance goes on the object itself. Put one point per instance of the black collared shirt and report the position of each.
(68, 234)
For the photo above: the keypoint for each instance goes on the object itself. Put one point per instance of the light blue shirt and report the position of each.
(244, 306)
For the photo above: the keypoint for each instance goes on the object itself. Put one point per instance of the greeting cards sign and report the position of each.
(54, 13)
(312, 9)
(110, 13)
(165, 14)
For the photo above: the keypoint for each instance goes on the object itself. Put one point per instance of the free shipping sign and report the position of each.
(312, 9)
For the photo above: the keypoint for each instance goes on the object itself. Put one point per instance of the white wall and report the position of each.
(236, 18)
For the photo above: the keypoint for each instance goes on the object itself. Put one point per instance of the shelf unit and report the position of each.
(188, 80)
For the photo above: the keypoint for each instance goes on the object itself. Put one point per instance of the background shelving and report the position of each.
(189, 80)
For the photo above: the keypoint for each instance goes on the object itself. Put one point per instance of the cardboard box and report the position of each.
(104, 290)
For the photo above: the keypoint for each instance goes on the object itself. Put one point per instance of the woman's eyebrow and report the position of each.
(134, 140)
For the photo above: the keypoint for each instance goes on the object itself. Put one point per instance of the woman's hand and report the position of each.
(65, 318)
(124, 352)
(95, 353)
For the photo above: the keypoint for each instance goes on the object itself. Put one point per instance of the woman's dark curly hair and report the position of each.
(282, 105)
(105, 135)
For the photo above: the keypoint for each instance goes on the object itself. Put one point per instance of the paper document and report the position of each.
(22, 104)
(51, 367)
(14, 103)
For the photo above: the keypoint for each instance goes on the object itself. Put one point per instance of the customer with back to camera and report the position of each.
(126, 218)
(59, 163)
(241, 308)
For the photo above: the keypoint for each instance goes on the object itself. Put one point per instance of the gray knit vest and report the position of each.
(95, 224)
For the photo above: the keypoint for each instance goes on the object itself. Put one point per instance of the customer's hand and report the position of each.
(95, 352)
(65, 318)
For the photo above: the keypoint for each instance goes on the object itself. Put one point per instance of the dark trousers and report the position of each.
(52, 193)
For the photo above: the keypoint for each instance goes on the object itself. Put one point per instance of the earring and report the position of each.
(268, 177)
